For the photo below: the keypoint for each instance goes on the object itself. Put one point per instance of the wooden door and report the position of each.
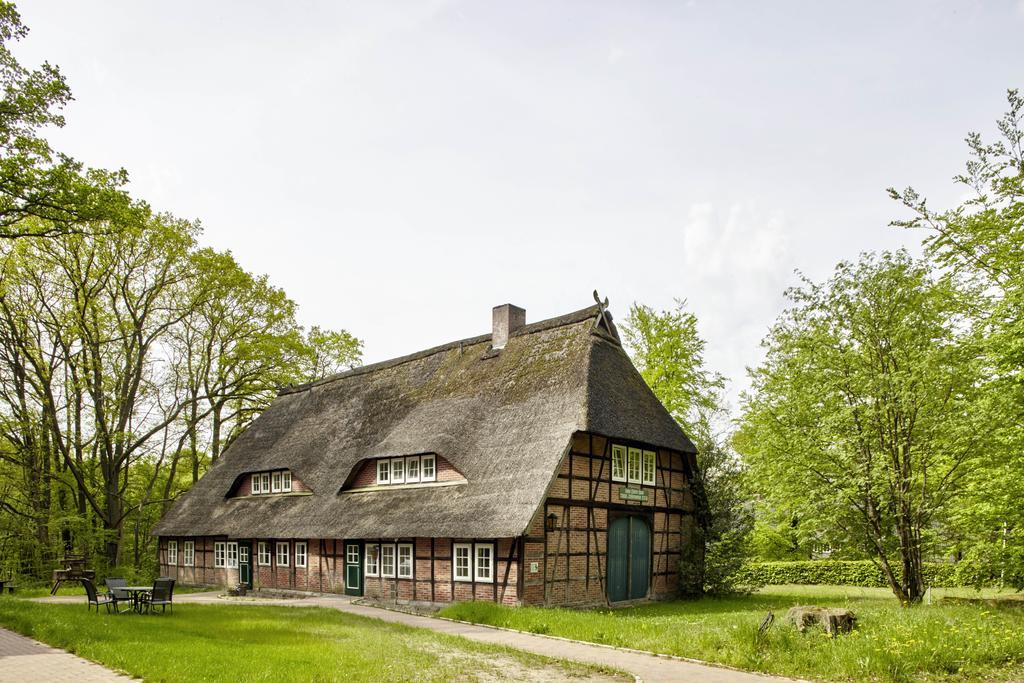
(245, 563)
(629, 558)
(353, 568)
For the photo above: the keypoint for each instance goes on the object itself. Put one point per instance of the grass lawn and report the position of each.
(926, 643)
(242, 642)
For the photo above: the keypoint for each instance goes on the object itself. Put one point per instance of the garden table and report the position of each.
(136, 592)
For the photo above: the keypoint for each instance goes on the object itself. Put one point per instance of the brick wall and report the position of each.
(432, 579)
(571, 560)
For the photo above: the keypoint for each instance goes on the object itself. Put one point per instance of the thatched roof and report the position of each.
(504, 419)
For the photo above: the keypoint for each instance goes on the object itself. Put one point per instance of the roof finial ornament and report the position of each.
(603, 309)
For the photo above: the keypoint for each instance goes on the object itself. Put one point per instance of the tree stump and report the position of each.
(833, 621)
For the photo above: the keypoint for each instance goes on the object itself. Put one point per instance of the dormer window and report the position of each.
(412, 469)
(278, 481)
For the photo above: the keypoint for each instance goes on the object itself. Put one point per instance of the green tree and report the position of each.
(36, 181)
(982, 240)
(669, 353)
(864, 416)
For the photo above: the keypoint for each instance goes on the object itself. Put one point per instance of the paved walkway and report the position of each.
(649, 668)
(23, 660)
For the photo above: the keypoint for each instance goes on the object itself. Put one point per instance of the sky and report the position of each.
(400, 168)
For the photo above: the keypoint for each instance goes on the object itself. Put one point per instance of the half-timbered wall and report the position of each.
(569, 564)
(432, 579)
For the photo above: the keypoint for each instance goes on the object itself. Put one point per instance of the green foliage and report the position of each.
(864, 423)
(936, 643)
(232, 642)
(35, 181)
(669, 353)
(982, 240)
(841, 573)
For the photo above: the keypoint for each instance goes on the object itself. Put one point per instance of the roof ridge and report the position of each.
(539, 326)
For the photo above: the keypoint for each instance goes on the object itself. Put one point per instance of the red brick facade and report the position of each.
(563, 566)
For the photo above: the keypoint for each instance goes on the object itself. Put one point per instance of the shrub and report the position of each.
(841, 573)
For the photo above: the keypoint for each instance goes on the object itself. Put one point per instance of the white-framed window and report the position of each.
(265, 479)
(618, 463)
(263, 554)
(286, 481)
(352, 553)
(256, 488)
(301, 553)
(275, 482)
(219, 553)
(412, 469)
(172, 552)
(282, 553)
(634, 468)
(398, 470)
(405, 560)
(462, 564)
(372, 560)
(650, 460)
(428, 468)
(232, 556)
(383, 472)
(188, 551)
(387, 561)
(483, 565)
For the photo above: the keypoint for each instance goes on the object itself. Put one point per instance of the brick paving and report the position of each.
(23, 660)
(645, 666)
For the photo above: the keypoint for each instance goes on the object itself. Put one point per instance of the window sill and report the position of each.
(402, 487)
(263, 496)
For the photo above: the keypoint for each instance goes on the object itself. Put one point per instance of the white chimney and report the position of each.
(505, 319)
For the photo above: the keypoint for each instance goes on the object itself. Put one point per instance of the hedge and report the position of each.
(839, 573)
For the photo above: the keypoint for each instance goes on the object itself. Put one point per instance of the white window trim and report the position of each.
(263, 551)
(371, 551)
(231, 556)
(275, 482)
(477, 547)
(220, 554)
(408, 472)
(348, 553)
(651, 458)
(286, 481)
(619, 451)
(639, 466)
(280, 545)
(383, 468)
(397, 463)
(412, 560)
(172, 553)
(255, 488)
(455, 566)
(188, 552)
(394, 560)
(433, 468)
(304, 554)
(265, 488)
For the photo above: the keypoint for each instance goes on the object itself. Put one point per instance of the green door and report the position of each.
(629, 558)
(618, 560)
(353, 568)
(245, 563)
(639, 558)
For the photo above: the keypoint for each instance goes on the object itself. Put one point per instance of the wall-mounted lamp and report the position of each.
(551, 522)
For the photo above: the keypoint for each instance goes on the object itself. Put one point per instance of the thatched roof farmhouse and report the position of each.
(529, 465)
